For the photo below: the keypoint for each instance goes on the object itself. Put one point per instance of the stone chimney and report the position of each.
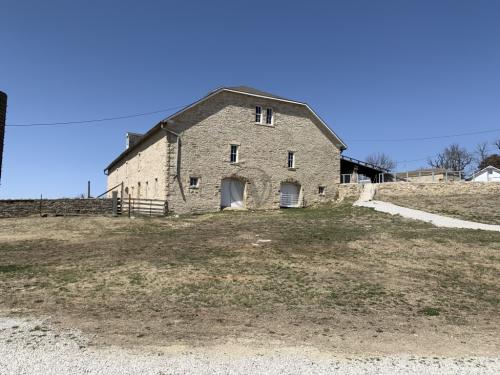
(132, 139)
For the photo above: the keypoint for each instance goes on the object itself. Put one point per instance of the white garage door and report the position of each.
(232, 193)
(289, 195)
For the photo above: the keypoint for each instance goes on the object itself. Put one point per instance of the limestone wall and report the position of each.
(388, 190)
(349, 191)
(142, 171)
(385, 191)
(207, 133)
(53, 207)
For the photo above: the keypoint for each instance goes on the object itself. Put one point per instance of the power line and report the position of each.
(83, 122)
(91, 121)
(410, 161)
(425, 138)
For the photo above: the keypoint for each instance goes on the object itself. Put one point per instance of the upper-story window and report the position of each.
(264, 118)
(291, 159)
(258, 114)
(269, 116)
(234, 154)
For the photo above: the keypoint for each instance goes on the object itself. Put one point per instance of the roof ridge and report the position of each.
(254, 91)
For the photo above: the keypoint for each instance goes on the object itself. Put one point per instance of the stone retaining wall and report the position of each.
(55, 207)
(399, 189)
(435, 189)
(349, 191)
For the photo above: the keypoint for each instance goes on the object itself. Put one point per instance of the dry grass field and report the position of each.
(483, 208)
(340, 278)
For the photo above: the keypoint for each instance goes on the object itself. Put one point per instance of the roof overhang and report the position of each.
(363, 164)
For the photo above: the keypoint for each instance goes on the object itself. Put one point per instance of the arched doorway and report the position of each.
(232, 193)
(289, 194)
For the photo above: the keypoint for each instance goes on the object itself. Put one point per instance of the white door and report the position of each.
(289, 195)
(232, 193)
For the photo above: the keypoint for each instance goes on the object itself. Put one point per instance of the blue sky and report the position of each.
(372, 69)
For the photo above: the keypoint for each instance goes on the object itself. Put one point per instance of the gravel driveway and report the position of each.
(33, 347)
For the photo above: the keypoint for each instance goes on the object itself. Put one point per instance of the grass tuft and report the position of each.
(429, 311)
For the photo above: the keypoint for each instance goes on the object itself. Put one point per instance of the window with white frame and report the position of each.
(233, 157)
(291, 159)
(194, 182)
(321, 190)
(269, 116)
(258, 114)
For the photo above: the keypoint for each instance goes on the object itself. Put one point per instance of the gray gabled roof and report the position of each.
(252, 91)
(238, 89)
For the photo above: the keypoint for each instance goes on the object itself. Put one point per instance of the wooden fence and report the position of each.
(145, 207)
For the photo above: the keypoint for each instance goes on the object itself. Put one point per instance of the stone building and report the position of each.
(236, 147)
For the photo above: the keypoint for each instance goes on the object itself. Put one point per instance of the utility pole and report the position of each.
(3, 114)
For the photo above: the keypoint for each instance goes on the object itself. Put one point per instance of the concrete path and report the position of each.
(368, 193)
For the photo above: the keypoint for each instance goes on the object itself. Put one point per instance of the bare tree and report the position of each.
(381, 160)
(481, 152)
(497, 143)
(493, 160)
(453, 157)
